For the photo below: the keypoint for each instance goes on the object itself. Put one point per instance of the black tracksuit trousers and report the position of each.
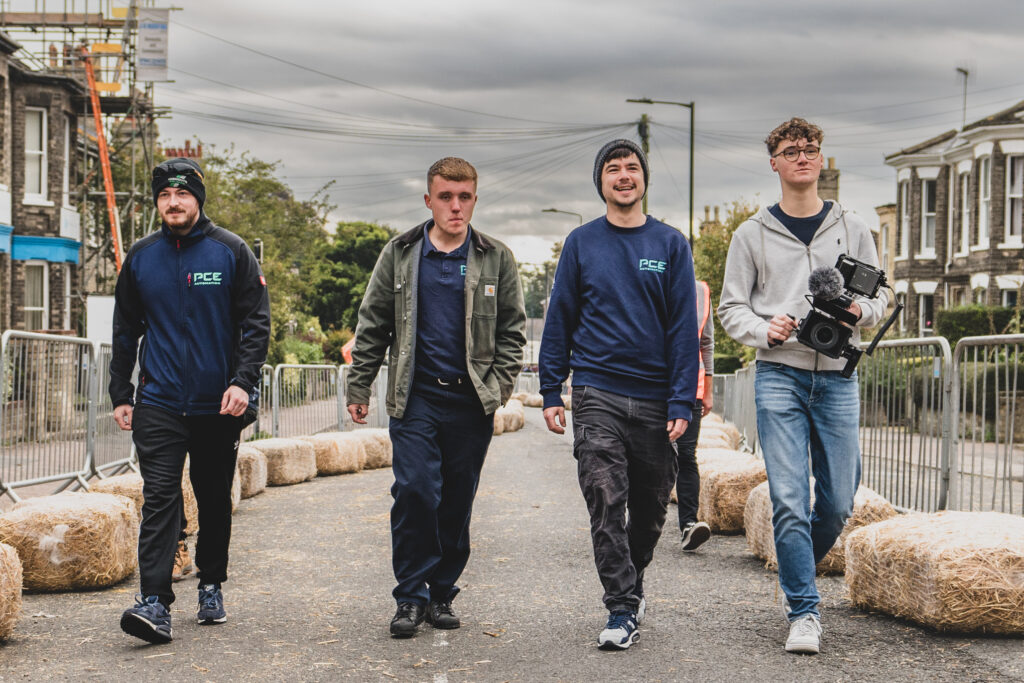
(162, 440)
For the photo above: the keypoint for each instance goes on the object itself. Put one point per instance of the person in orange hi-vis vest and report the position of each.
(695, 533)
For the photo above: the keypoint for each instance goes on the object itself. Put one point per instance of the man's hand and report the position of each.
(358, 412)
(779, 329)
(675, 428)
(234, 402)
(555, 417)
(123, 416)
(855, 309)
(708, 401)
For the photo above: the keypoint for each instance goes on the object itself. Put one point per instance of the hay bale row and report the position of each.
(73, 541)
(10, 590)
(719, 435)
(530, 400)
(130, 486)
(868, 508)
(951, 571)
(289, 461)
(337, 453)
(252, 471)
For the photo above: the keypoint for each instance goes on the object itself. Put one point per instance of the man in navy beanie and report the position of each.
(623, 318)
(193, 292)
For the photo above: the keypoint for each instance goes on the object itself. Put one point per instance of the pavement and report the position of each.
(309, 599)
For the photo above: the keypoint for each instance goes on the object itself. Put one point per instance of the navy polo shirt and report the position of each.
(441, 310)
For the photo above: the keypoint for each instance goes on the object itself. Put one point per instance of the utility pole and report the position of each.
(643, 135)
(644, 129)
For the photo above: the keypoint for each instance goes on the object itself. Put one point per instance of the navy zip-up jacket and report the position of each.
(200, 304)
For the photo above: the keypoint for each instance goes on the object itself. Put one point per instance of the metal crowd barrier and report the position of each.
(734, 400)
(305, 399)
(906, 418)
(113, 452)
(46, 410)
(988, 394)
(528, 382)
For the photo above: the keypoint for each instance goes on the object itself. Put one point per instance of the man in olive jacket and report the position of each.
(447, 301)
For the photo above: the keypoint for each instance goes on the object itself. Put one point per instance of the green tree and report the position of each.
(343, 270)
(537, 279)
(709, 252)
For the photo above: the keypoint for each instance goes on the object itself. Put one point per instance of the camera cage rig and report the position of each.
(832, 316)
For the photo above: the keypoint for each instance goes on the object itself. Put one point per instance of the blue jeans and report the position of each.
(801, 412)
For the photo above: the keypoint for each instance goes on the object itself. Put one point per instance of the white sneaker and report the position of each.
(620, 633)
(804, 635)
(641, 610)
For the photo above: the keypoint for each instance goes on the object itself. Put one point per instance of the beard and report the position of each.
(625, 206)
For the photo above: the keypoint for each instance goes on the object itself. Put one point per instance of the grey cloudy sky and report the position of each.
(528, 91)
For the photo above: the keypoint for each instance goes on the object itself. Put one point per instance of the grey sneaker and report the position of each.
(695, 534)
(804, 635)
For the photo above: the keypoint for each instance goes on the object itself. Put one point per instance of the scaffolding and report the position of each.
(52, 35)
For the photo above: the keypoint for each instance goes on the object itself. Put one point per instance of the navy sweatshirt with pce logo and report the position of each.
(201, 307)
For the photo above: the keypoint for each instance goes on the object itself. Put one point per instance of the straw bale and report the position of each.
(10, 590)
(252, 471)
(725, 483)
(73, 541)
(706, 454)
(533, 401)
(515, 408)
(499, 422)
(289, 461)
(567, 400)
(952, 571)
(130, 485)
(868, 508)
(337, 452)
(519, 396)
(723, 436)
(712, 418)
(377, 444)
(236, 489)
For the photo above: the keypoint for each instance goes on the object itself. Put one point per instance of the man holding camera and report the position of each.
(804, 404)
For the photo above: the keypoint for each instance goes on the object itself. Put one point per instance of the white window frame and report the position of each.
(965, 215)
(981, 296)
(45, 308)
(883, 243)
(901, 297)
(984, 200)
(66, 189)
(31, 197)
(927, 252)
(67, 296)
(1005, 295)
(903, 244)
(1014, 201)
(922, 330)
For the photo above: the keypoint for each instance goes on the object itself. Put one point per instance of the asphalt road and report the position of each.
(309, 600)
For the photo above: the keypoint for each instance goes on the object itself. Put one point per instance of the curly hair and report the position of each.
(451, 168)
(794, 129)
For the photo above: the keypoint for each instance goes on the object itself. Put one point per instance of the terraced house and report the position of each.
(956, 236)
(40, 230)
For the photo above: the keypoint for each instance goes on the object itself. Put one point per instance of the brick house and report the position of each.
(956, 235)
(40, 230)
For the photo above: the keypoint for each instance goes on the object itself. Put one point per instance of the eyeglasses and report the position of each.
(793, 153)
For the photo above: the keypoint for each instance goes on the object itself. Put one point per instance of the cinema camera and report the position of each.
(828, 326)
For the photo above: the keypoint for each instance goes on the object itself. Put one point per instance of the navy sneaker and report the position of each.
(148, 620)
(211, 605)
(621, 631)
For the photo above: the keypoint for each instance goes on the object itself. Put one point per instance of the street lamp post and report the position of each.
(690, 106)
(571, 213)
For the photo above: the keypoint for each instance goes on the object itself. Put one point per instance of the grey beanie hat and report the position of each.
(602, 157)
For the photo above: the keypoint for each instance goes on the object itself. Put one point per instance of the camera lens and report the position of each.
(824, 336)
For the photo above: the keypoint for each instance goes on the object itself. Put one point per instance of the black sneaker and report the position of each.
(440, 615)
(148, 620)
(407, 617)
(695, 534)
(211, 605)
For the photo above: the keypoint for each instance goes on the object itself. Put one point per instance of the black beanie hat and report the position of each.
(602, 158)
(180, 172)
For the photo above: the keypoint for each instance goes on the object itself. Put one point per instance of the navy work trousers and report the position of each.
(162, 440)
(439, 446)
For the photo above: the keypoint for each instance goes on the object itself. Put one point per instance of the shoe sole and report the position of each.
(454, 626)
(802, 649)
(140, 628)
(402, 632)
(698, 538)
(208, 622)
(612, 645)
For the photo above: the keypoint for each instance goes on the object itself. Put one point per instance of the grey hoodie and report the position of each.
(766, 274)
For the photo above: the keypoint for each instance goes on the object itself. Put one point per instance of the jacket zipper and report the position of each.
(182, 322)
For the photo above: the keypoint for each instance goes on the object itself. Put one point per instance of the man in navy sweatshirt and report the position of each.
(623, 318)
